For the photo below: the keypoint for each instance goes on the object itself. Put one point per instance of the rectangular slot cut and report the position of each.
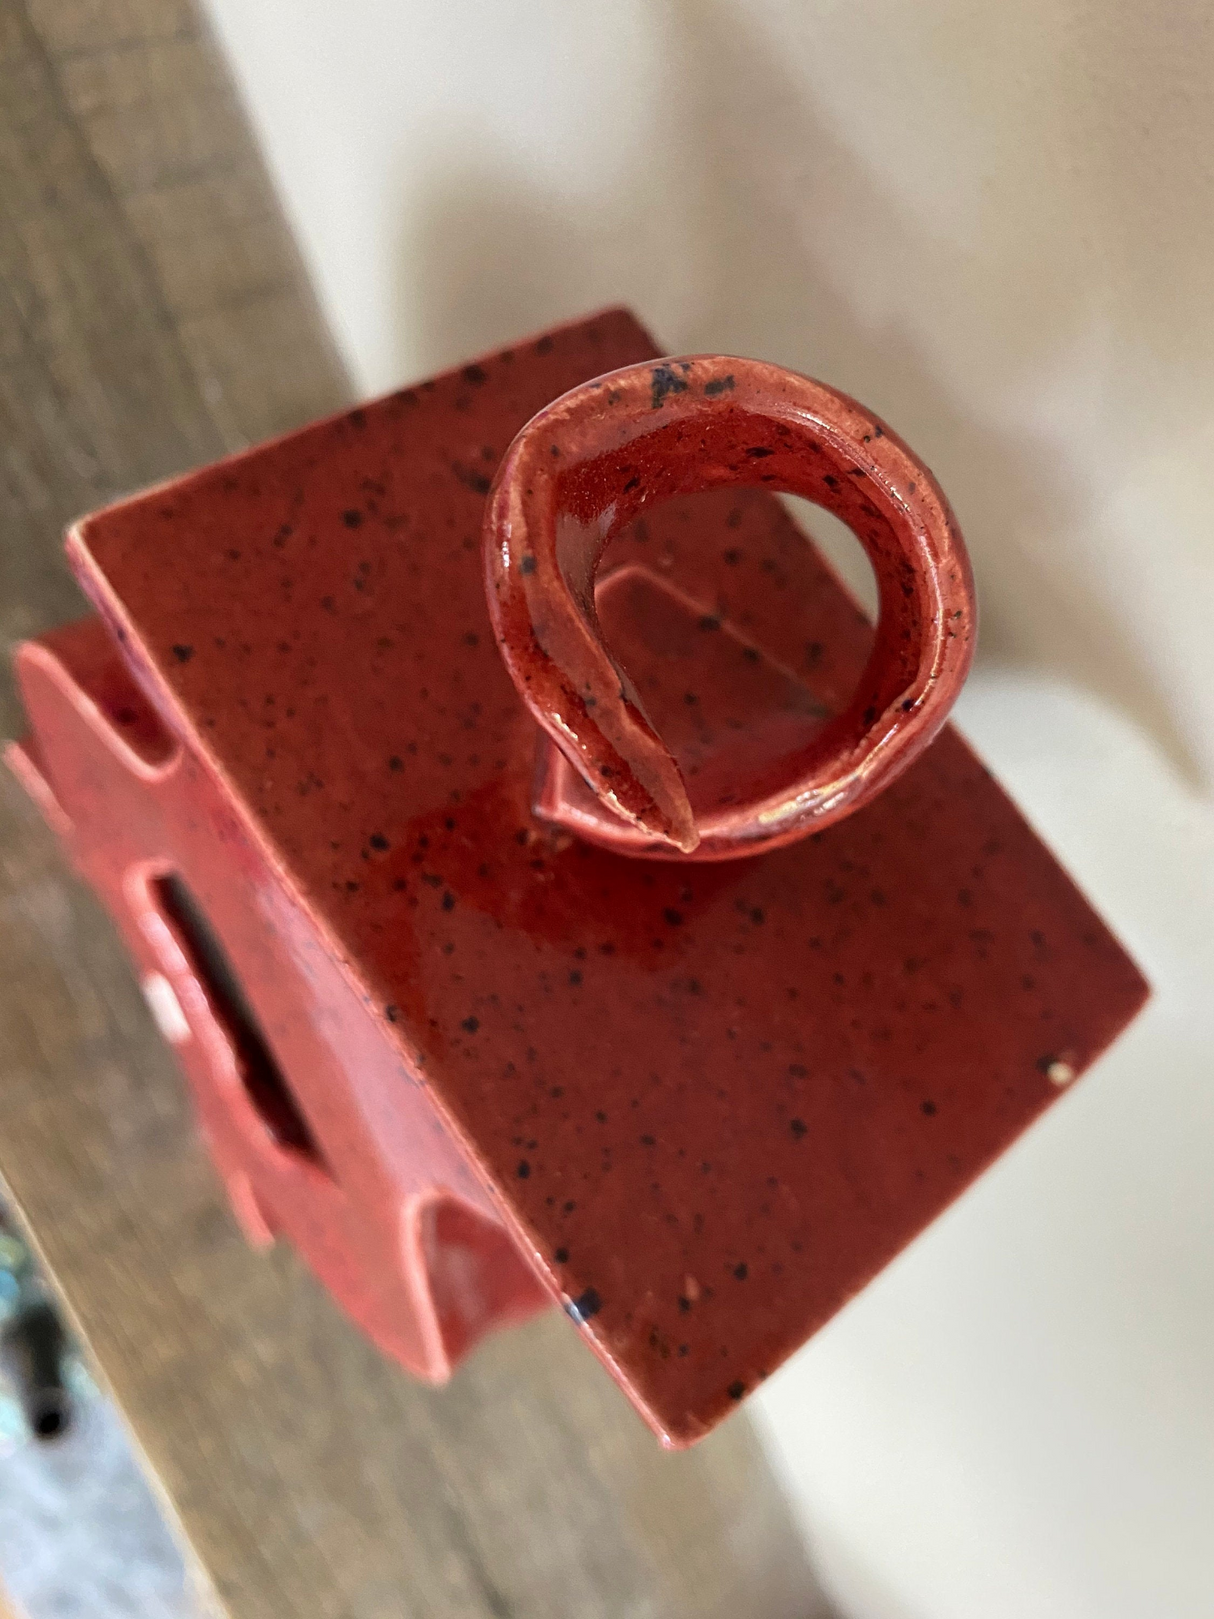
(259, 1070)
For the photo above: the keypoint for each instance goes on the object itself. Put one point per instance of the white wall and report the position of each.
(995, 224)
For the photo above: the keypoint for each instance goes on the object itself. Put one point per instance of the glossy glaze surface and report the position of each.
(612, 451)
(347, 1159)
(706, 1101)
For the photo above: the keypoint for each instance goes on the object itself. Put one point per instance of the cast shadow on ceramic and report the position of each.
(491, 255)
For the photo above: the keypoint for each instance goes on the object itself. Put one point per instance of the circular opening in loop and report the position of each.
(607, 452)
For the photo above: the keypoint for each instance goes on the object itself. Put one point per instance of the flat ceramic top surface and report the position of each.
(717, 1098)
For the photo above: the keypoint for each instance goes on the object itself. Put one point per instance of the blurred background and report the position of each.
(995, 226)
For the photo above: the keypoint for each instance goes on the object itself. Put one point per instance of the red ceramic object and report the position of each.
(589, 466)
(463, 1060)
(346, 1156)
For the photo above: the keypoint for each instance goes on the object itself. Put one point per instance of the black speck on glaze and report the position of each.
(665, 382)
(586, 1304)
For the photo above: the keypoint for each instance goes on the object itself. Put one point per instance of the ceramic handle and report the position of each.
(594, 460)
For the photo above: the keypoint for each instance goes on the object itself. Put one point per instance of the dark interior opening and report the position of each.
(263, 1079)
(52, 1417)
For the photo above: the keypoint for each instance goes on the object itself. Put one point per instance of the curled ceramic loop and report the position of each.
(595, 459)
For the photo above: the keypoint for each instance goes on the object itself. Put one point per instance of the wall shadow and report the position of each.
(490, 256)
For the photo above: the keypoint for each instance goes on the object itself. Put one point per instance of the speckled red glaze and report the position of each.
(611, 450)
(381, 1201)
(701, 1104)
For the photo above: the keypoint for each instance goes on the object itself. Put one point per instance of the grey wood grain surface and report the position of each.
(153, 314)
